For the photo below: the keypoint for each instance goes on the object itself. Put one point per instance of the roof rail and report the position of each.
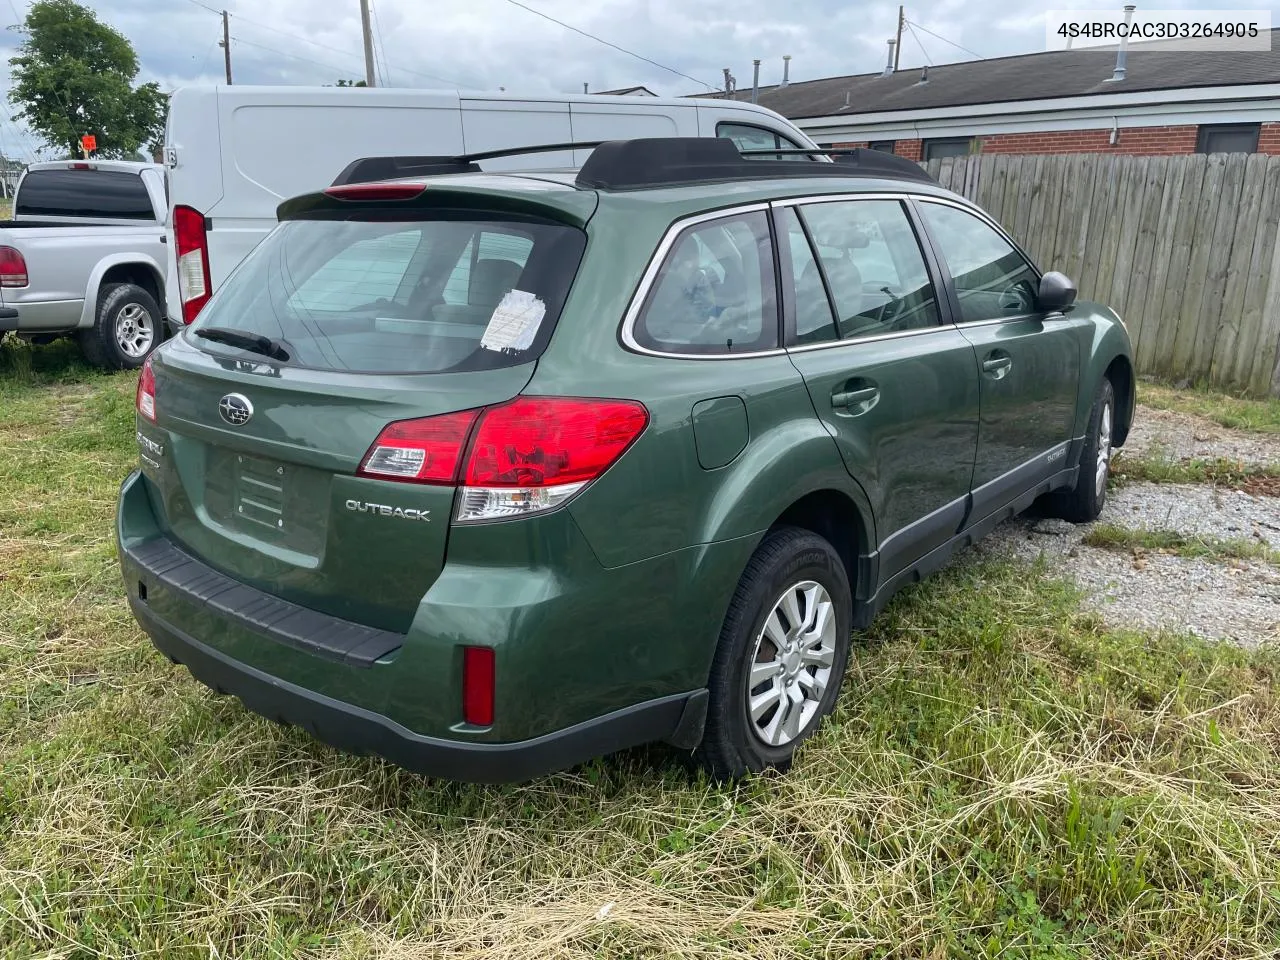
(368, 169)
(656, 162)
(669, 161)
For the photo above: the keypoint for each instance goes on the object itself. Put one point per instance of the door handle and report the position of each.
(997, 366)
(852, 398)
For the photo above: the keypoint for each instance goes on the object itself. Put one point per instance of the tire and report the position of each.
(1084, 502)
(129, 325)
(790, 562)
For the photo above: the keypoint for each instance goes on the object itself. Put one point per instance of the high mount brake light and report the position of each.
(376, 191)
(521, 457)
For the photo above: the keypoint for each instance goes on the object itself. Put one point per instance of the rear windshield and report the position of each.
(84, 193)
(424, 296)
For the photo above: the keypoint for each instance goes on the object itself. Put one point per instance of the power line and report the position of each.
(384, 67)
(943, 39)
(592, 36)
(912, 31)
(294, 56)
(315, 43)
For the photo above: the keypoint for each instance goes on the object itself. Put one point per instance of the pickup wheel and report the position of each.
(1084, 502)
(129, 325)
(781, 656)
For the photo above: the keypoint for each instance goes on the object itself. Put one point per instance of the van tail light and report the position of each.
(13, 267)
(192, 243)
(146, 396)
(478, 685)
(522, 457)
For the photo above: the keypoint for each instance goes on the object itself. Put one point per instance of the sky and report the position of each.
(492, 44)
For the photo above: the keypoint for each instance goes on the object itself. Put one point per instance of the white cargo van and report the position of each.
(234, 153)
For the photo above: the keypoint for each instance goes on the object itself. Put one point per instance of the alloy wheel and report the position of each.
(135, 330)
(791, 663)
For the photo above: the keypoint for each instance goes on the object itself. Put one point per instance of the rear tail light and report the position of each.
(477, 685)
(420, 451)
(146, 396)
(13, 267)
(523, 457)
(192, 243)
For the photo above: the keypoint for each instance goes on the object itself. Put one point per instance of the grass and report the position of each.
(1004, 777)
(1110, 536)
(1237, 412)
(1220, 471)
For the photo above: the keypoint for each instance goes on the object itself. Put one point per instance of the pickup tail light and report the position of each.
(146, 396)
(526, 456)
(13, 267)
(192, 247)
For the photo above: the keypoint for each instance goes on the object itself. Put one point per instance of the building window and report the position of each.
(947, 147)
(884, 146)
(1228, 138)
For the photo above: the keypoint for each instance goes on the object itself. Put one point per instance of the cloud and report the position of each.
(488, 44)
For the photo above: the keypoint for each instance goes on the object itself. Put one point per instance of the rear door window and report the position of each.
(714, 293)
(108, 194)
(401, 297)
(873, 266)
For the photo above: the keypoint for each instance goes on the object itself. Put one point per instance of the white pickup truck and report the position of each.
(85, 255)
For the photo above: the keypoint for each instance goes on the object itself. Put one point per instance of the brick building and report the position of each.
(1053, 102)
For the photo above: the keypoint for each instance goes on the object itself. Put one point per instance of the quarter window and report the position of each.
(714, 293)
(873, 266)
(991, 278)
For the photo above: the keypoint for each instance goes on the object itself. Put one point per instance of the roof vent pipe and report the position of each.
(1123, 52)
(730, 84)
(786, 69)
(888, 64)
(584, 86)
(924, 74)
(755, 82)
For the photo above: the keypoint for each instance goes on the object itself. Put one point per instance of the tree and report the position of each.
(352, 83)
(74, 75)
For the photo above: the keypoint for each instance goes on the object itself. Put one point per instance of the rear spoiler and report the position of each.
(655, 162)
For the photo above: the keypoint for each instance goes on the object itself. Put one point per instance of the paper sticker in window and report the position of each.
(514, 323)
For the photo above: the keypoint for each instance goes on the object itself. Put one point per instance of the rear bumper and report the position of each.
(8, 319)
(361, 731)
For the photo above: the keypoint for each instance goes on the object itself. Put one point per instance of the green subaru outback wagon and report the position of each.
(493, 473)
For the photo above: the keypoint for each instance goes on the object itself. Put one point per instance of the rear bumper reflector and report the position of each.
(677, 719)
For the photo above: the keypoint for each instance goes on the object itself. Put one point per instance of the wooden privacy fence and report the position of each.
(1184, 248)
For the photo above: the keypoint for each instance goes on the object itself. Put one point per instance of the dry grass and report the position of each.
(1260, 415)
(1003, 778)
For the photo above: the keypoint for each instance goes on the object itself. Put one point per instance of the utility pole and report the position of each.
(897, 45)
(226, 44)
(369, 79)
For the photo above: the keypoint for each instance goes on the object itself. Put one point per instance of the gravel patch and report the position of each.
(1180, 436)
(1225, 600)
(1195, 509)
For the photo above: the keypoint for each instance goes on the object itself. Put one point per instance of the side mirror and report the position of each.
(1057, 292)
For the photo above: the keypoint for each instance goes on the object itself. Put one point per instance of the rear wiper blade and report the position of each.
(253, 342)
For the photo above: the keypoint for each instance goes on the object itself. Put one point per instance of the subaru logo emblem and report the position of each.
(236, 409)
